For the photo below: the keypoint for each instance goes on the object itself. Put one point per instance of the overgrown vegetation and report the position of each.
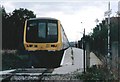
(95, 74)
(98, 40)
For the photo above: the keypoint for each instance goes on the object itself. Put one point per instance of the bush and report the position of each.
(14, 60)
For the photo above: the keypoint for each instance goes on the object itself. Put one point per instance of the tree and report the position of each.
(14, 26)
(5, 32)
(18, 18)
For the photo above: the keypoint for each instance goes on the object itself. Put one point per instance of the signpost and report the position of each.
(108, 12)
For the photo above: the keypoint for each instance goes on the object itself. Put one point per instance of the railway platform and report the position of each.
(67, 67)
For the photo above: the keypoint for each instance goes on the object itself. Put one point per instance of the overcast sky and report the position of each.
(75, 15)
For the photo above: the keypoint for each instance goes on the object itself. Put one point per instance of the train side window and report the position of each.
(42, 30)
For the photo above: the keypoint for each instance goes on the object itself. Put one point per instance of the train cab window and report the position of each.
(52, 29)
(42, 30)
(52, 32)
(31, 26)
(31, 30)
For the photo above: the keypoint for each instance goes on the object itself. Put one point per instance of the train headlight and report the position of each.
(53, 45)
(26, 45)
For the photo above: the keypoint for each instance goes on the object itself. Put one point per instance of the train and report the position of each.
(46, 41)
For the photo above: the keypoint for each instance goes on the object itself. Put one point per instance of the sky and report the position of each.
(75, 15)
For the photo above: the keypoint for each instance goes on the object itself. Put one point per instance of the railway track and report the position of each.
(29, 75)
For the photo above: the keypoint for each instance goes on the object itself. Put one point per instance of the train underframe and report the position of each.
(45, 59)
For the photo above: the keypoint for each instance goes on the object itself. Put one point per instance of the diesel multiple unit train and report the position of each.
(46, 41)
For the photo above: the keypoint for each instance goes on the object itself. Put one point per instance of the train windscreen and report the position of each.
(42, 31)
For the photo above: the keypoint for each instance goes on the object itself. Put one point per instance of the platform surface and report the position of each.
(67, 66)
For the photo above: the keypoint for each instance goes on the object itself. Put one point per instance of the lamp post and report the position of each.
(84, 57)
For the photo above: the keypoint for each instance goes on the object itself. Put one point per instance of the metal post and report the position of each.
(84, 51)
(118, 40)
(109, 32)
(107, 13)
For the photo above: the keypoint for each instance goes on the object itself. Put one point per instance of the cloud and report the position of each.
(66, 7)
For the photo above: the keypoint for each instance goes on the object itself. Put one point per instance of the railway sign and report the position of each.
(108, 12)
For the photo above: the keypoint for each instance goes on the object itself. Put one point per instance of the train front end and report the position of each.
(42, 39)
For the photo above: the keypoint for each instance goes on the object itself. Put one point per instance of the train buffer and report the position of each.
(25, 74)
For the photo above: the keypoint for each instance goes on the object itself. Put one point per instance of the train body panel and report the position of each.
(65, 42)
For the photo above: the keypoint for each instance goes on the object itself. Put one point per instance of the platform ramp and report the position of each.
(66, 59)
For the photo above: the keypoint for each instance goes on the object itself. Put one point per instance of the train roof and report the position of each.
(47, 18)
